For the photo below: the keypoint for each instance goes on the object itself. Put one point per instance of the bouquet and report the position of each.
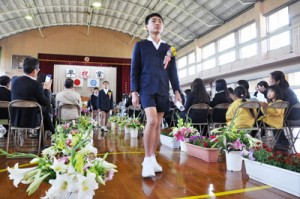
(170, 53)
(184, 130)
(70, 165)
(135, 123)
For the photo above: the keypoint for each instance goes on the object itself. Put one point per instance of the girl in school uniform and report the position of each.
(244, 117)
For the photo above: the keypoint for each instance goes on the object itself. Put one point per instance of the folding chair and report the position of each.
(23, 104)
(67, 107)
(249, 105)
(203, 110)
(293, 124)
(4, 107)
(277, 105)
(218, 115)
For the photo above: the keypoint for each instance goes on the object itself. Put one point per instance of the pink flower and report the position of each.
(237, 145)
(66, 126)
(110, 175)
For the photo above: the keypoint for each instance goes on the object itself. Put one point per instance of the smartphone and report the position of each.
(48, 77)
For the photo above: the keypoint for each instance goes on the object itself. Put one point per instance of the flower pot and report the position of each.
(234, 161)
(183, 146)
(169, 142)
(276, 177)
(113, 125)
(121, 128)
(134, 132)
(127, 131)
(206, 154)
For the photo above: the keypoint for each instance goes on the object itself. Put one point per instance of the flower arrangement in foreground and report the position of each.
(184, 130)
(203, 141)
(114, 119)
(70, 165)
(167, 132)
(229, 138)
(264, 154)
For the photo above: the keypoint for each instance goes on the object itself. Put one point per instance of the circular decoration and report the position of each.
(77, 82)
(86, 59)
(93, 82)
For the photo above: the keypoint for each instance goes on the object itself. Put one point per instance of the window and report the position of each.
(199, 67)
(280, 40)
(182, 73)
(226, 42)
(208, 64)
(182, 62)
(191, 58)
(208, 50)
(248, 51)
(248, 33)
(294, 79)
(227, 58)
(278, 19)
(192, 70)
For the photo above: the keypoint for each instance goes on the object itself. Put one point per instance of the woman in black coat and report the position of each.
(221, 96)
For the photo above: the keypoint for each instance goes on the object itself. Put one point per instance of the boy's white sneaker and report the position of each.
(147, 170)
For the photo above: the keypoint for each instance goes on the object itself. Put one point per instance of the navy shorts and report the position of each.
(160, 102)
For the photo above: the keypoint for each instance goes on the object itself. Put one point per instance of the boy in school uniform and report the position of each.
(105, 104)
(149, 77)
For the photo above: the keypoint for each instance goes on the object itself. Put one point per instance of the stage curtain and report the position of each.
(47, 62)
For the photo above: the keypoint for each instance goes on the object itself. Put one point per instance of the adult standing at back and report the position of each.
(222, 93)
(26, 87)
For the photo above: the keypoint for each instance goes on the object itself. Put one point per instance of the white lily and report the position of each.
(17, 174)
(59, 166)
(87, 185)
(88, 149)
(61, 187)
(106, 165)
(36, 182)
(49, 151)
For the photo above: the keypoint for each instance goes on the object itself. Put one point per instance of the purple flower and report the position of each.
(251, 155)
(110, 175)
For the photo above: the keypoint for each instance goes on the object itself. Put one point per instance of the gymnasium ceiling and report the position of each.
(185, 20)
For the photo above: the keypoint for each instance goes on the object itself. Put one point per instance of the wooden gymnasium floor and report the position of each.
(183, 177)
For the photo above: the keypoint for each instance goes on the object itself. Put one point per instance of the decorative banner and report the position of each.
(85, 73)
(78, 82)
(93, 82)
(99, 74)
(70, 73)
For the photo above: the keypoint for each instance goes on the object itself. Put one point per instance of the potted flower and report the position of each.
(134, 127)
(113, 121)
(203, 147)
(127, 124)
(167, 138)
(274, 168)
(233, 141)
(182, 132)
(122, 122)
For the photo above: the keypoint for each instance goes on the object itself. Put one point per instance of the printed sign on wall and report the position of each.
(93, 82)
(85, 73)
(70, 73)
(78, 82)
(99, 74)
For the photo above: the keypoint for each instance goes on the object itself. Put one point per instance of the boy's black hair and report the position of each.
(69, 83)
(96, 88)
(277, 91)
(152, 15)
(263, 83)
(30, 64)
(4, 80)
(105, 82)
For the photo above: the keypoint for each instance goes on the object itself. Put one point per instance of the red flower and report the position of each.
(205, 144)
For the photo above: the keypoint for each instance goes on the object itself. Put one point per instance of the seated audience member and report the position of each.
(68, 96)
(244, 117)
(262, 87)
(197, 95)
(93, 102)
(277, 77)
(222, 93)
(105, 103)
(273, 117)
(5, 95)
(231, 93)
(246, 85)
(26, 87)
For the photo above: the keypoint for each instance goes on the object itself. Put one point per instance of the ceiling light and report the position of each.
(97, 4)
(28, 17)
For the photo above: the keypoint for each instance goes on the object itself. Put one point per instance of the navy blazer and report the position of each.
(147, 74)
(104, 103)
(25, 88)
